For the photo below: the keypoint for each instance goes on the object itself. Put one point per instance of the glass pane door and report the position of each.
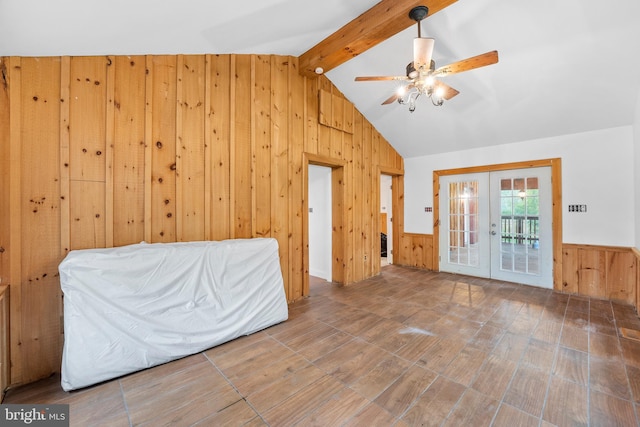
(463, 241)
(521, 226)
(498, 225)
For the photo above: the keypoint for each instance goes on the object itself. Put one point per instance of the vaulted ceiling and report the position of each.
(565, 67)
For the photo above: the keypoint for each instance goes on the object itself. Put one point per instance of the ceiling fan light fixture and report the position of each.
(429, 81)
(412, 73)
(422, 74)
(413, 96)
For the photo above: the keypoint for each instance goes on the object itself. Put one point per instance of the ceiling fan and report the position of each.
(421, 73)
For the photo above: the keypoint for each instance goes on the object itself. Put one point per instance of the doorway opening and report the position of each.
(330, 181)
(386, 219)
(320, 223)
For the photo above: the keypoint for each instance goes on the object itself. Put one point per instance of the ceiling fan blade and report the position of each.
(380, 78)
(468, 64)
(399, 93)
(391, 99)
(447, 91)
(422, 52)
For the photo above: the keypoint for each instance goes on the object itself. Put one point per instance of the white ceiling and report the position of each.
(566, 66)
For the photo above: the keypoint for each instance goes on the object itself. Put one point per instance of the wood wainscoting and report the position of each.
(416, 250)
(636, 253)
(606, 272)
(5, 362)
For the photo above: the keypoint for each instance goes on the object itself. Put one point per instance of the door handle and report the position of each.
(493, 233)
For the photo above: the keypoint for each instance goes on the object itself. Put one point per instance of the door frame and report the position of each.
(397, 177)
(338, 238)
(556, 197)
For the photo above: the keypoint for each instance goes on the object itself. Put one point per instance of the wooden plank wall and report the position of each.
(601, 272)
(416, 250)
(596, 271)
(5, 229)
(4, 173)
(5, 356)
(636, 253)
(112, 150)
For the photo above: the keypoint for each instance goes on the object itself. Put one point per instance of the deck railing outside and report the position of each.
(520, 229)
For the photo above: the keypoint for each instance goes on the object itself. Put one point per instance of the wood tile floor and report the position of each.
(408, 347)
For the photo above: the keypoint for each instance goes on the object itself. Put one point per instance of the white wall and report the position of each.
(636, 159)
(597, 170)
(636, 152)
(320, 222)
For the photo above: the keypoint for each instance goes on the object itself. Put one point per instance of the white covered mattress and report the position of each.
(137, 306)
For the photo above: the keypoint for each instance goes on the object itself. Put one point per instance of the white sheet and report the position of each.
(137, 306)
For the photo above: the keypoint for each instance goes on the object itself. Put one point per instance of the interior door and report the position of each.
(498, 225)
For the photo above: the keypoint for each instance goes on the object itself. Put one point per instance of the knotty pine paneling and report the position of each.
(39, 208)
(358, 198)
(11, 163)
(296, 127)
(127, 144)
(111, 150)
(371, 244)
(349, 203)
(5, 359)
(190, 148)
(595, 271)
(161, 203)
(262, 147)
(636, 254)
(242, 111)
(312, 111)
(416, 250)
(592, 274)
(621, 271)
(570, 267)
(87, 149)
(219, 125)
(5, 161)
(600, 272)
(280, 163)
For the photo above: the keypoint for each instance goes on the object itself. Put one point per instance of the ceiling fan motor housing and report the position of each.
(412, 73)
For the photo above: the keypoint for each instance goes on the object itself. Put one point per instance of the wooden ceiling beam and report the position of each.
(385, 19)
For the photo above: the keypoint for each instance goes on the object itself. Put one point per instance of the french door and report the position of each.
(498, 225)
